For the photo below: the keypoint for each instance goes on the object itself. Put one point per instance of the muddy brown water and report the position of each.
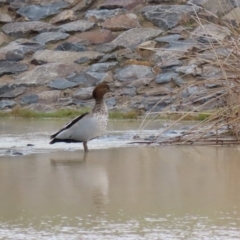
(130, 193)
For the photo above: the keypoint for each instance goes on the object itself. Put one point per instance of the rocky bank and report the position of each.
(53, 52)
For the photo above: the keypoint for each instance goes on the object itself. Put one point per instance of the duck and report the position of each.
(87, 126)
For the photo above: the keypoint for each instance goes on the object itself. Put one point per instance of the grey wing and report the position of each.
(69, 124)
(83, 130)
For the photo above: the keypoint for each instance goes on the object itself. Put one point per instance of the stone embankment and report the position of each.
(53, 52)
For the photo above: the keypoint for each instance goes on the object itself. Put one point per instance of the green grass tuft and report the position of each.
(63, 113)
(123, 115)
(26, 113)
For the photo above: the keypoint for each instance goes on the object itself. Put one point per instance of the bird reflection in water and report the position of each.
(70, 161)
(88, 177)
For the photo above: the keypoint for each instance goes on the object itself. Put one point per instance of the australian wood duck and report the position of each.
(89, 125)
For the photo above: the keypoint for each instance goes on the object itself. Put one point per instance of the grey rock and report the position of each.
(13, 93)
(77, 26)
(108, 57)
(206, 39)
(166, 77)
(205, 56)
(73, 47)
(103, 14)
(127, 4)
(102, 67)
(29, 99)
(105, 48)
(171, 63)
(167, 1)
(38, 107)
(16, 50)
(22, 29)
(64, 56)
(49, 97)
(99, 76)
(16, 4)
(130, 91)
(83, 93)
(168, 38)
(83, 5)
(135, 36)
(111, 102)
(193, 90)
(5, 18)
(44, 74)
(82, 60)
(66, 101)
(15, 55)
(62, 84)
(159, 91)
(3, 38)
(157, 104)
(7, 67)
(122, 22)
(168, 16)
(184, 45)
(211, 73)
(192, 69)
(213, 31)
(7, 104)
(83, 79)
(214, 85)
(140, 82)
(6, 88)
(82, 103)
(216, 7)
(178, 49)
(37, 12)
(47, 37)
(67, 15)
(133, 72)
(235, 3)
(178, 81)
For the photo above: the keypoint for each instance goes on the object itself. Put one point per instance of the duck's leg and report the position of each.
(85, 147)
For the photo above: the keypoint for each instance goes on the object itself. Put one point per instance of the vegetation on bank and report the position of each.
(71, 113)
(63, 113)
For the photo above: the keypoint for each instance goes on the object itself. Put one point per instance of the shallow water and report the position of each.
(123, 192)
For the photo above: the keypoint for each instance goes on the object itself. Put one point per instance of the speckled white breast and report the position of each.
(101, 113)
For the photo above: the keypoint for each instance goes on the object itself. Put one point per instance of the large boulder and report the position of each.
(7, 67)
(49, 56)
(133, 72)
(62, 84)
(122, 22)
(18, 49)
(103, 14)
(37, 12)
(42, 75)
(216, 7)
(7, 104)
(168, 16)
(47, 37)
(13, 93)
(127, 4)
(67, 15)
(22, 29)
(135, 36)
(77, 26)
(94, 37)
(5, 18)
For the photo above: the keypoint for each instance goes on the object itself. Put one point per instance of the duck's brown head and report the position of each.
(100, 90)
